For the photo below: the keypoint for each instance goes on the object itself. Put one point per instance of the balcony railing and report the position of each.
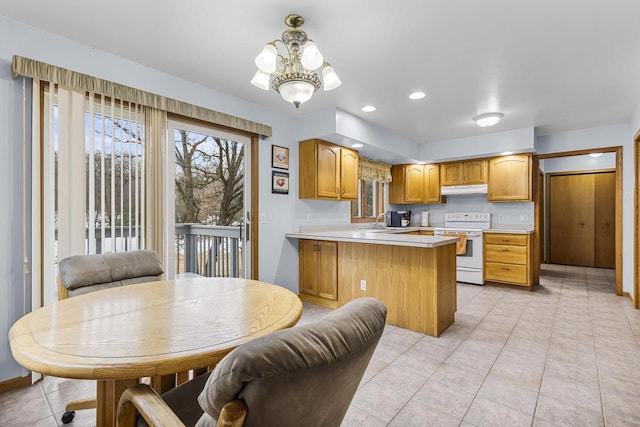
(209, 250)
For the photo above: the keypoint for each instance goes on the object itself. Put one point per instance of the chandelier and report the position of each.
(293, 74)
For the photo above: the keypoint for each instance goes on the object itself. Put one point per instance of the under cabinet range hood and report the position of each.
(463, 189)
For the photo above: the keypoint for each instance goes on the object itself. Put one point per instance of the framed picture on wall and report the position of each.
(280, 182)
(279, 157)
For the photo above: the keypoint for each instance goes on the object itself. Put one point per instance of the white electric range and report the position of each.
(468, 265)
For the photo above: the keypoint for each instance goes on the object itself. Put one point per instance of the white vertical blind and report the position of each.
(95, 152)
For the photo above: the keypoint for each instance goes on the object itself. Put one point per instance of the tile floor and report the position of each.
(566, 354)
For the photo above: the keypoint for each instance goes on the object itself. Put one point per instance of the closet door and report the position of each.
(572, 220)
(605, 217)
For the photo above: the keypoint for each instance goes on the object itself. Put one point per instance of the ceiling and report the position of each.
(549, 64)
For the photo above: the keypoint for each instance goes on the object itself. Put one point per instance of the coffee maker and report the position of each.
(398, 218)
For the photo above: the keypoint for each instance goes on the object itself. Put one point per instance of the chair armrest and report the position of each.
(143, 399)
(233, 414)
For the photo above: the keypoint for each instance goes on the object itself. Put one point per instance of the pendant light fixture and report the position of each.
(292, 75)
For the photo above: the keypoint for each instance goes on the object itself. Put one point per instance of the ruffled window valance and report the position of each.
(372, 170)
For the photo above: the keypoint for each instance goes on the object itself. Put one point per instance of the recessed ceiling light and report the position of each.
(368, 108)
(357, 145)
(417, 95)
(487, 119)
(506, 153)
(595, 154)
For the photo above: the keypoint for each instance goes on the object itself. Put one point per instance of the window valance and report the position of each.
(372, 170)
(31, 68)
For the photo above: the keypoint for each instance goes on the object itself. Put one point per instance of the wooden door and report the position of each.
(572, 219)
(328, 171)
(413, 183)
(431, 188)
(451, 173)
(510, 178)
(348, 174)
(605, 219)
(327, 272)
(308, 267)
(474, 172)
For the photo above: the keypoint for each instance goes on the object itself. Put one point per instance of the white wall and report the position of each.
(578, 163)
(15, 297)
(606, 136)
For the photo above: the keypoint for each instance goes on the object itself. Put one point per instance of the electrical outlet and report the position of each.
(309, 218)
(363, 285)
(524, 217)
(263, 218)
(500, 218)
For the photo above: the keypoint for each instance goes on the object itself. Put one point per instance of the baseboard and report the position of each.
(628, 295)
(15, 383)
(323, 302)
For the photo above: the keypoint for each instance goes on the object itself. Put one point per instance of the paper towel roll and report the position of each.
(425, 219)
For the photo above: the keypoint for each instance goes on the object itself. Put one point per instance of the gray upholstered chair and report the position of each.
(303, 376)
(81, 274)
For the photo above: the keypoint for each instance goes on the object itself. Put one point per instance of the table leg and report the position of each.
(107, 396)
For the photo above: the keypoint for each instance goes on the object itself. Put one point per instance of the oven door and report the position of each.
(473, 256)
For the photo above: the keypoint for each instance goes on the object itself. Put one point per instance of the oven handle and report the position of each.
(468, 233)
(470, 269)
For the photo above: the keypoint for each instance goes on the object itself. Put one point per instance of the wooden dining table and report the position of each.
(153, 329)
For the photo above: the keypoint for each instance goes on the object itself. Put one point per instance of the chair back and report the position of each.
(303, 376)
(80, 274)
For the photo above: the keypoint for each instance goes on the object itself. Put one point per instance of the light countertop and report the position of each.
(395, 237)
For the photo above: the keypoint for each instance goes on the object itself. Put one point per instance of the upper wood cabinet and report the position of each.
(414, 184)
(467, 172)
(510, 178)
(327, 171)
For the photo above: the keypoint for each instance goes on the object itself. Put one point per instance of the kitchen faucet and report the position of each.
(376, 225)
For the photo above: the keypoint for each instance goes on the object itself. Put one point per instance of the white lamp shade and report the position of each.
(266, 60)
(488, 119)
(261, 80)
(330, 79)
(311, 56)
(296, 92)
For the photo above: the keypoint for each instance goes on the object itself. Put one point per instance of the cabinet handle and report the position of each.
(337, 190)
(505, 250)
(343, 191)
(506, 268)
(505, 240)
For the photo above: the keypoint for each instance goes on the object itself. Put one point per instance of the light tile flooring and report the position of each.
(565, 354)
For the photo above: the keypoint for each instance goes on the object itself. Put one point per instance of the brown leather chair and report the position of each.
(80, 274)
(303, 376)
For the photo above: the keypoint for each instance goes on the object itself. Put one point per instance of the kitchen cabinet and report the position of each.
(426, 232)
(464, 173)
(319, 272)
(510, 178)
(327, 171)
(508, 258)
(412, 184)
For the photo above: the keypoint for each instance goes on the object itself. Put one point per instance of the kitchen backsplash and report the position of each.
(520, 213)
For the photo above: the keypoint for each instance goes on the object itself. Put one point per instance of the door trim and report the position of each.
(618, 197)
(636, 221)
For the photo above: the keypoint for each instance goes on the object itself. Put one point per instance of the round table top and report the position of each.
(152, 328)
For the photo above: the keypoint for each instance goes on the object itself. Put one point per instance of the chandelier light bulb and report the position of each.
(266, 60)
(487, 119)
(296, 92)
(311, 56)
(330, 78)
(261, 80)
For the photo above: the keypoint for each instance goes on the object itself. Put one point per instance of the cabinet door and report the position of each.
(348, 174)
(328, 171)
(510, 179)
(327, 272)
(431, 190)
(308, 267)
(450, 173)
(474, 172)
(413, 183)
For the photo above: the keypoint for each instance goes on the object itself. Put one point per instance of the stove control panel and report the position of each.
(468, 216)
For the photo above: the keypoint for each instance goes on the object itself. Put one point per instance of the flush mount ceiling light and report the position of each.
(293, 73)
(417, 95)
(357, 145)
(368, 108)
(487, 119)
(595, 154)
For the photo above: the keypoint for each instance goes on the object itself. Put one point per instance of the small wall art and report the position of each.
(280, 182)
(279, 157)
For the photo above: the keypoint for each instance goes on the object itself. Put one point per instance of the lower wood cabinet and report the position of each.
(508, 258)
(319, 272)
